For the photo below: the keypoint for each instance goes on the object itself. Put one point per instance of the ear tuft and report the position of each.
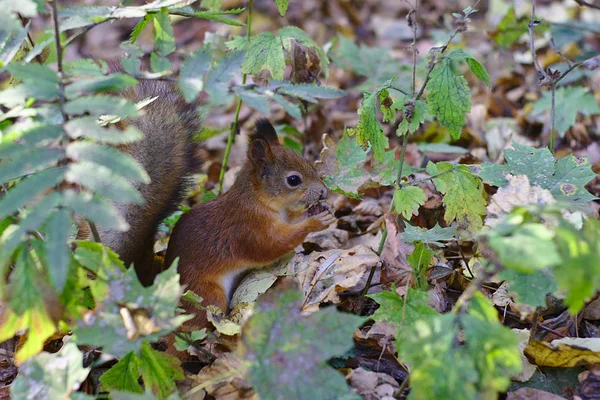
(265, 131)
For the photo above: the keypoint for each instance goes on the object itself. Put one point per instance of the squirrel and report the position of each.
(273, 204)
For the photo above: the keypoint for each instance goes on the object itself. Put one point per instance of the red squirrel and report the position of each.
(266, 213)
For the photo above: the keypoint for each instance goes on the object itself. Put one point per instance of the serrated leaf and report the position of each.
(13, 42)
(274, 371)
(159, 370)
(282, 6)
(407, 201)
(402, 311)
(95, 209)
(292, 109)
(86, 67)
(119, 163)
(434, 235)
(368, 131)
(191, 77)
(463, 194)
(51, 375)
(220, 75)
(218, 16)
(124, 375)
(88, 127)
(163, 33)
(344, 172)
(442, 148)
(114, 82)
(264, 52)
(569, 102)
(58, 229)
(39, 81)
(479, 70)
(254, 100)
(448, 97)
(103, 181)
(101, 104)
(28, 189)
(28, 162)
(311, 92)
(160, 64)
(530, 288)
(565, 178)
(491, 173)
(130, 59)
(26, 307)
(22, 137)
(139, 27)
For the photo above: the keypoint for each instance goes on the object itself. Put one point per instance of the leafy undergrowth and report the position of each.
(465, 262)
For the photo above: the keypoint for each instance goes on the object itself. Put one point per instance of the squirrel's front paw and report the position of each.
(323, 220)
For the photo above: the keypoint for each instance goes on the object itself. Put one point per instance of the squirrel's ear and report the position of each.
(265, 131)
(259, 151)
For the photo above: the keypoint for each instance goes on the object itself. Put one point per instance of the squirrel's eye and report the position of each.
(294, 180)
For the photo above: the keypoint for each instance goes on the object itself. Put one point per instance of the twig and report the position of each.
(587, 4)
(211, 357)
(533, 23)
(384, 234)
(59, 61)
(235, 124)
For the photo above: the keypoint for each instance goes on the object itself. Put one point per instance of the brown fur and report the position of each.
(260, 219)
(167, 153)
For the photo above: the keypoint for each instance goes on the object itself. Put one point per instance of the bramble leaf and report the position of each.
(264, 51)
(368, 131)
(463, 194)
(282, 6)
(433, 235)
(124, 375)
(191, 76)
(163, 33)
(530, 288)
(407, 200)
(448, 97)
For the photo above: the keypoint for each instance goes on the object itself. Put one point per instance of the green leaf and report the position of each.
(114, 82)
(95, 209)
(419, 260)
(160, 64)
(86, 67)
(39, 80)
(434, 235)
(191, 77)
(28, 162)
(564, 178)
(58, 253)
(292, 109)
(26, 307)
(265, 52)
(490, 173)
(528, 248)
(154, 306)
(130, 59)
(569, 102)
(274, 368)
(218, 78)
(101, 105)
(254, 100)
(530, 288)
(124, 375)
(509, 30)
(103, 181)
(311, 92)
(346, 174)
(403, 312)
(28, 189)
(159, 370)
(88, 127)
(163, 33)
(22, 137)
(448, 97)
(119, 163)
(51, 375)
(282, 6)
(10, 42)
(480, 368)
(139, 27)
(407, 201)
(479, 70)
(463, 194)
(579, 272)
(368, 131)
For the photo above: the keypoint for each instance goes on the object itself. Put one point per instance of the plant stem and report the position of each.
(552, 117)
(384, 234)
(59, 60)
(235, 124)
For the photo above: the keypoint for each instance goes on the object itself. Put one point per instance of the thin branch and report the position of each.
(533, 23)
(587, 4)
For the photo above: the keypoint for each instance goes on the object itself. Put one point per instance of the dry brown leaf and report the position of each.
(224, 379)
(322, 275)
(395, 268)
(528, 368)
(328, 239)
(372, 385)
(592, 310)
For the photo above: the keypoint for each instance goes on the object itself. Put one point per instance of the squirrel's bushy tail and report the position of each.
(169, 155)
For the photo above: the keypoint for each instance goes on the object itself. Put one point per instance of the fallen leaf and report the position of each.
(565, 352)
